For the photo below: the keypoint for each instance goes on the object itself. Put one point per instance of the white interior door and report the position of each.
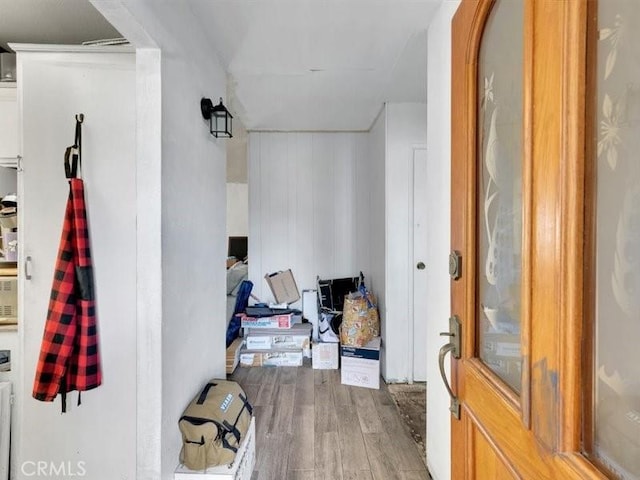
(55, 84)
(419, 270)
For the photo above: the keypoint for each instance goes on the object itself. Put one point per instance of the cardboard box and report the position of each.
(509, 369)
(360, 366)
(276, 321)
(233, 355)
(295, 338)
(501, 344)
(241, 469)
(324, 356)
(283, 286)
(501, 353)
(280, 358)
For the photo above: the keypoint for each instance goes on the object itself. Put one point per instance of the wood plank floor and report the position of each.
(311, 427)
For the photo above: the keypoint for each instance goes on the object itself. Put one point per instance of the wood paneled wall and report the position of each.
(316, 205)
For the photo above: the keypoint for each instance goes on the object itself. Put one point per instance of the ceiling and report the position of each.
(319, 64)
(292, 64)
(52, 21)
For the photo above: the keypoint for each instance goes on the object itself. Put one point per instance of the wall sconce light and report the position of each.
(218, 116)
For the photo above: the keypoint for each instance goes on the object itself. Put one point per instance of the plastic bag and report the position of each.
(360, 319)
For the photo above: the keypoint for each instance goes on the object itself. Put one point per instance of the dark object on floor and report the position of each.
(332, 292)
(242, 300)
(261, 310)
(411, 400)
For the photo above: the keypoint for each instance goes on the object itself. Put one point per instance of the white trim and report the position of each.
(10, 162)
(411, 297)
(119, 15)
(5, 422)
(36, 47)
(149, 263)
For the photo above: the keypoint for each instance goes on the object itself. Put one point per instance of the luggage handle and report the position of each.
(205, 392)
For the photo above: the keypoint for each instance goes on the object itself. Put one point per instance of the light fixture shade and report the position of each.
(219, 118)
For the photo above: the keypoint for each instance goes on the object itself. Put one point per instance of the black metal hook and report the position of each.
(73, 154)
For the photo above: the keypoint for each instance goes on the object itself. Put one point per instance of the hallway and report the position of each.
(310, 426)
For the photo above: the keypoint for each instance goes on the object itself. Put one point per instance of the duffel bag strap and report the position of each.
(246, 403)
(198, 420)
(205, 392)
(232, 429)
(227, 445)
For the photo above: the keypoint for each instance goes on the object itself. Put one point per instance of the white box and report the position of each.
(241, 469)
(284, 358)
(310, 310)
(324, 356)
(295, 338)
(361, 365)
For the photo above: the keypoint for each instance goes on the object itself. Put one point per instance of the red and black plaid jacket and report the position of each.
(69, 358)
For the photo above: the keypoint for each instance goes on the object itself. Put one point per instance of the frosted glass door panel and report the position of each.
(617, 335)
(499, 224)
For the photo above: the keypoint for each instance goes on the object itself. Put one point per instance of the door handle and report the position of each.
(27, 267)
(452, 347)
(420, 266)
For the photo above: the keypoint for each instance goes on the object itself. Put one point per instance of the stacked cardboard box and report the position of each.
(277, 347)
(276, 338)
(233, 355)
(279, 321)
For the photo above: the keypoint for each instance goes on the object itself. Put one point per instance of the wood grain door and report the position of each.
(532, 136)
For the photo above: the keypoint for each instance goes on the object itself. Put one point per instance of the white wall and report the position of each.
(302, 205)
(193, 213)
(237, 209)
(53, 88)
(406, 127)
(333, 204)
(439, 188)
(193, 216)
(371, 239)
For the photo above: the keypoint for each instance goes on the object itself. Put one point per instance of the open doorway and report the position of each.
(237, 212)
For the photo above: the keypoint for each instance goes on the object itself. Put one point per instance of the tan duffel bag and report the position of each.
(214, 425)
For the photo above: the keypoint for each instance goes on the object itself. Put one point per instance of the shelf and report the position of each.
(8, 269)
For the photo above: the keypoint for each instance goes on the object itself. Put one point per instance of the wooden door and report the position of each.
(532, 135)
